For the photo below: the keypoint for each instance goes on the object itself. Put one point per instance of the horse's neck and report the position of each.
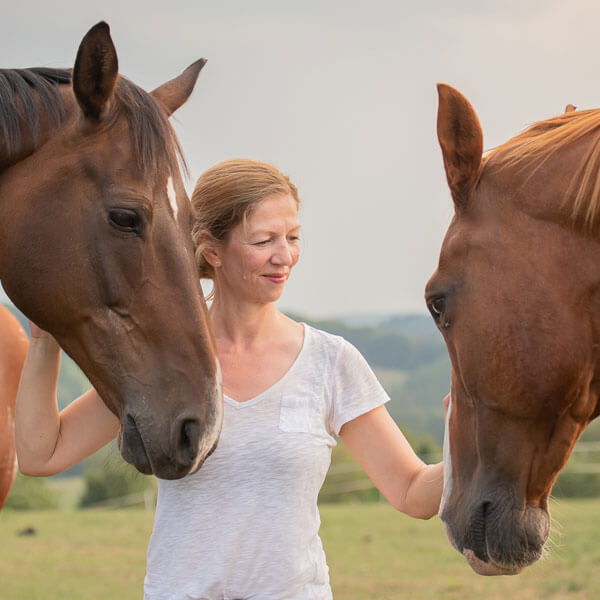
(31, 133)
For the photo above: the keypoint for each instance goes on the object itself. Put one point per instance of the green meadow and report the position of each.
(373, 552)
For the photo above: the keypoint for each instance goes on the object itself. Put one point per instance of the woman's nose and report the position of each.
(283, 254)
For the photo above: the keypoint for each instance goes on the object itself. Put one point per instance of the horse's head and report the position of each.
(516, 297)
(96, 248)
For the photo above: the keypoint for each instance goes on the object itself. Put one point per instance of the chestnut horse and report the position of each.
(517, 298)
(95, 247)
(13, 347)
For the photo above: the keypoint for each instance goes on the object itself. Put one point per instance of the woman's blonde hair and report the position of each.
(226, 195)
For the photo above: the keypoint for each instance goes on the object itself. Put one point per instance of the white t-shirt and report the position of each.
(246, 525)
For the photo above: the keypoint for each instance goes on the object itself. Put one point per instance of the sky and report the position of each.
(340, 95)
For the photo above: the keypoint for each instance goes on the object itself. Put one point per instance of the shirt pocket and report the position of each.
(300, 414)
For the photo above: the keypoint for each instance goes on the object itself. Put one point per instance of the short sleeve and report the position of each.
(355, 389)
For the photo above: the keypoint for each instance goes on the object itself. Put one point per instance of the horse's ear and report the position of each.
(461, 140)
(96, 71)
(175, 92)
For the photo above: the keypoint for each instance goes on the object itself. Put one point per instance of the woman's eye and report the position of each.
(294, 238)
(125, 220)
(261, 243)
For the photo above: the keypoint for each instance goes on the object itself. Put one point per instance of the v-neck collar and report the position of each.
(251, 401)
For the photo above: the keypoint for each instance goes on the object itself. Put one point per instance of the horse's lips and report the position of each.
(480, 567)
(483, 568)
(133, 450)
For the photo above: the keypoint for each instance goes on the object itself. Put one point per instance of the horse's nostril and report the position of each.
(187, 441)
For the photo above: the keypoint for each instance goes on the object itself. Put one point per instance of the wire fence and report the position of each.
(581, 451)
(343, 470)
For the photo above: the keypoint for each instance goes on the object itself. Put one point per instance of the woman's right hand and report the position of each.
(37, 333)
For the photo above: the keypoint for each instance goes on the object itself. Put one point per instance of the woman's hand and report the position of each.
(42, 339)
(37, 332)
(446, 403)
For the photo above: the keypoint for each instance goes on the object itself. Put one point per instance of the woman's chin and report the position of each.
(271, 295)
(265, 298)
(273, 298)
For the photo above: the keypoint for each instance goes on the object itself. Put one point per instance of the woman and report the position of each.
(246, 525)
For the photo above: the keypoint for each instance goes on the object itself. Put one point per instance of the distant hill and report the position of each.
(387, 345)
(416, 404)
(407, 324)
(412, 325)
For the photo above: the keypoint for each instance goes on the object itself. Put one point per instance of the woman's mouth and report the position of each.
(276, 277)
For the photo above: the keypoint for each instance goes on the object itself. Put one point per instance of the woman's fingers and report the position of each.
(446, 403)
(37, 332)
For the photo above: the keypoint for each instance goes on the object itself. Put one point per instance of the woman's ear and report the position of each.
(211, 256)
(208, 246)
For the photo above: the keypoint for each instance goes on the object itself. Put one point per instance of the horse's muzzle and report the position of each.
(177, 451)
(497, 538)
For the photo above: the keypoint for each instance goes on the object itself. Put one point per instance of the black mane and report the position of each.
(18, 89)
(151, 132)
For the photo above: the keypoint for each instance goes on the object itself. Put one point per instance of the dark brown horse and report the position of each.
(517, 299)
(95, 247)
(13, 348)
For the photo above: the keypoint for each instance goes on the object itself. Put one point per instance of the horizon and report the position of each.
(344, 317)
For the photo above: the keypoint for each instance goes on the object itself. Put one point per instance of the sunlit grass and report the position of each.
(373, 552)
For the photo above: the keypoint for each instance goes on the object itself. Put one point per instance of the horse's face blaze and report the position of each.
(514, 300)
(96, 248)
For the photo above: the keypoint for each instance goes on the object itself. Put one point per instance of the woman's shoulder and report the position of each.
(324, 342)
(334, 350)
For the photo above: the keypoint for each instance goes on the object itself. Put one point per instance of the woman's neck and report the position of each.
(242, 325)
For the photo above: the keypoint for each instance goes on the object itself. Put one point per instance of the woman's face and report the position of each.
(258, 256)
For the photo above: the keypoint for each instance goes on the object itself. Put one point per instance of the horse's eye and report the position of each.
(437, 307)
(125, 219)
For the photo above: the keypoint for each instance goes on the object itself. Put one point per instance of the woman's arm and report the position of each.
(49, 442)
(381, 449)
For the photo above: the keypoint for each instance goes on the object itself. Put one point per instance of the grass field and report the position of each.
(373, 553)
